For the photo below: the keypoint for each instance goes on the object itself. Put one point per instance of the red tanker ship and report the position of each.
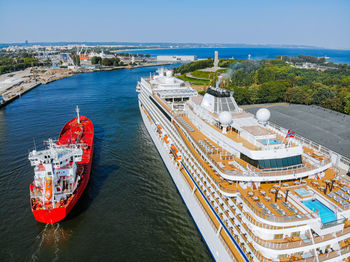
(62, 171)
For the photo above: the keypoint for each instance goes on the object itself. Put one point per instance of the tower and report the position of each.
(216, 59)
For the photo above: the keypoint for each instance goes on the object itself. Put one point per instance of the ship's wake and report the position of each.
(50, 239)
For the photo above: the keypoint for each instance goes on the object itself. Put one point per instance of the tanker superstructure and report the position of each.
(256, 191)
(62, 170)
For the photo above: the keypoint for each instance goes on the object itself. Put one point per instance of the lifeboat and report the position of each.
(166, 139)
(159, 129)
(175, 152)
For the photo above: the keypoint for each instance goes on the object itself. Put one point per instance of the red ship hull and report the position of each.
(68, 135)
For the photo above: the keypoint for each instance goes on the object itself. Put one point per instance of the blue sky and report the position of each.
(324, 23)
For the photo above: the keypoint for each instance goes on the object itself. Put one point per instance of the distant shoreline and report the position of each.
(17, 91)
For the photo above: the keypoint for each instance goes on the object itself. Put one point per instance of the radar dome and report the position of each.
(225, 117)
(169, 73)
(263, 114)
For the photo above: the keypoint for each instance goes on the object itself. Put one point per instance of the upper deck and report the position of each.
(248, 150)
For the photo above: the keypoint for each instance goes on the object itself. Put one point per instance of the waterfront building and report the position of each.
(176, 58)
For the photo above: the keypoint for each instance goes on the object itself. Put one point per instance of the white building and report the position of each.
(176, 58)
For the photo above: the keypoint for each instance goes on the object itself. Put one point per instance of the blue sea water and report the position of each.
(130, 210)
(336, 56)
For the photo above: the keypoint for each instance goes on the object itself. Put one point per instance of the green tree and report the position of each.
(107, 61)
(321, 94)
(265, 75)
(298, 95)
(271, 92)
(346, 101)
(96, 60)
(76, 60)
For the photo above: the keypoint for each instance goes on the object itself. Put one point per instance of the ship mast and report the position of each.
(77, 110)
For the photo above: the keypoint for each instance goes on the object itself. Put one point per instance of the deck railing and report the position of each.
(326, 151)
(252, 170)
(270, 217)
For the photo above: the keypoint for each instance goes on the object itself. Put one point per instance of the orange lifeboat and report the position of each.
(175, 152)
(159, 129)
(166, 139)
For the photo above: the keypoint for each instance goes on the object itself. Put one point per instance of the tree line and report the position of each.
(115, 61)
(20, 62)
(275, 80)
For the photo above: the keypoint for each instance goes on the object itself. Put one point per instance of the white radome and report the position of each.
(263, 114)
(169, 73)
(225, 118)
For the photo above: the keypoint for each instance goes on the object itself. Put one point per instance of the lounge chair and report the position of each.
(339, 193)
(261, 205)
(286, 204)
(298, 215)
(336, 198)
(281, 211)
(331, 194)
(346, 204)
(274, 206)
(266, 210)
(292, 209)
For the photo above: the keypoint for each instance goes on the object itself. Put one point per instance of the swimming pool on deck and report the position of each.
(302, 192)
(324, 212)
(270, 141)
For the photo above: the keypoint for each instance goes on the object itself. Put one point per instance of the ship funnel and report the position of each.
(77, 110)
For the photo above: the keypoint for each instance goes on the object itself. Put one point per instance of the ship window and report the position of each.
(273, 163)
(160, 108)
(49, 173)
(296, 234)
(278, 236)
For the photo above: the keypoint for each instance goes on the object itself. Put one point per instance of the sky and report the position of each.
(322, 23)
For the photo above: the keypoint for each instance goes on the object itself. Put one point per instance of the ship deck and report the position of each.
(230, 164)
(263, 204)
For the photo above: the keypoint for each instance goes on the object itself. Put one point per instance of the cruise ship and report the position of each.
(256, 191)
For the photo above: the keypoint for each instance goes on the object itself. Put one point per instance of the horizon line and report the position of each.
(183, 43)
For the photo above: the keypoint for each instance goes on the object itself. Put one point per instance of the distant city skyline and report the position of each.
(309, 23)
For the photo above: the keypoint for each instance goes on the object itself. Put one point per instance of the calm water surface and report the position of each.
(336, 56)
(130, 211)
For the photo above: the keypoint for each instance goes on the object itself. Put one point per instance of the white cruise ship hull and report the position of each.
(209, 235)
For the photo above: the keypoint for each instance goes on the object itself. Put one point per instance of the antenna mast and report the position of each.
(77, 110)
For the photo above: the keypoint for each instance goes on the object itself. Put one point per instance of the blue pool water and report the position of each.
(325, 213)
(270, 141)
(302, 192)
